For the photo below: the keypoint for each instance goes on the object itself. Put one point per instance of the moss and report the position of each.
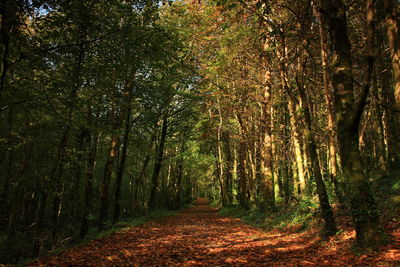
(95, 234)
(298, 215)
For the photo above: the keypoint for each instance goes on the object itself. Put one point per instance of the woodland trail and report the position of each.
(200, 237)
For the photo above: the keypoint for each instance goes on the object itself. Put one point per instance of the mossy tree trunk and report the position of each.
(333, 172)
(311, 147)
(359, 195)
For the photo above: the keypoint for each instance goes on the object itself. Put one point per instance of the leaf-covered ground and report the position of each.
(200, 237)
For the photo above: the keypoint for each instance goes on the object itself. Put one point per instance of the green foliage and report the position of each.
(9, 251)
(83, 77)
(77, 68)
(14, 247)
(126, 223)
(387, 192)
(297, 215)
(396, 186)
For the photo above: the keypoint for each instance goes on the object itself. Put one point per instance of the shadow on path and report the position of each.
(198, 236)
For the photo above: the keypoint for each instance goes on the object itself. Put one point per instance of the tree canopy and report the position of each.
(114, 109)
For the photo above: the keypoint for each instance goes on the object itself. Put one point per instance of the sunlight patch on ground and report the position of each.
(392, 254)
(348, 235)
(205, 239)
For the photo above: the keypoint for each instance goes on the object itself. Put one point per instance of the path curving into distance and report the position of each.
(198, 236)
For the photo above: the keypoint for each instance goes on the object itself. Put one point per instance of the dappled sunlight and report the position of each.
(199, 236)
(226, 219)
(392, 254)
(349, 235)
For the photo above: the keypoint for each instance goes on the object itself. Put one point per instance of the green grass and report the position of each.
(121, 225)
(303, 214)
(216, 203)
(132, 222)
(298, 215)
(387, 193)
(111, 229)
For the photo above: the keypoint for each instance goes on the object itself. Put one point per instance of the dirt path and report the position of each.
(200, 237)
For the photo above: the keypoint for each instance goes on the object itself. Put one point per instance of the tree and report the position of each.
(348, 115)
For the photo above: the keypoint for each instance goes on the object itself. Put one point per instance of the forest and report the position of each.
(282, 113)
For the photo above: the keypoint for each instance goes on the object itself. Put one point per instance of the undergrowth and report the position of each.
(387, 194)
(298, 215)
(92, 235)
(303, 214)
(121, 225)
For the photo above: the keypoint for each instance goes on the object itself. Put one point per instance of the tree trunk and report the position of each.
(296, 136)
(18, 195)
(220, 167)
(58, 169)
(393, 33)
(82, 140)
(121, 167)
(326, 210)
(329, 107)
(105, 187)
(157, 165)
(91, 164)
(9, 16)
(267, 202)
(7, 176)
(295, 133)
(362, 204)
(251, 178)
(391, 136)
(139, 184)
(383, 161)
(242, 193)
(242, 177)
(178, 181)
(228, 168)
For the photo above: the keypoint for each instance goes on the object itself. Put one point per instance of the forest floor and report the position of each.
(199, 236)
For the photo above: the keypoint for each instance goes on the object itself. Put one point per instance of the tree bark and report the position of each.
(178, 183)
(311, 147)
(228, 167)
(392, 13)
(386, 102)
(139, 182)
(220, 162)
(105, 187)
(296, 136)
(9, 16)
(242, 176)
(295, 133)
(329, 107)
(267, 202)
(393, 34)
(157, 164)
(121, 167)
(91, 164)
(58, 169)
(82, 139)
(362, 204)
(383, 161)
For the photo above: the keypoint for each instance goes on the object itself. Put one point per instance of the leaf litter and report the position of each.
(199, 236)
